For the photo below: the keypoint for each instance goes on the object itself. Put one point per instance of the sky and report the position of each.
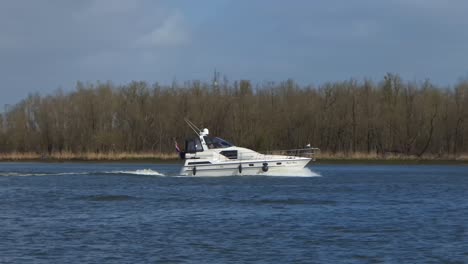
(50, 44)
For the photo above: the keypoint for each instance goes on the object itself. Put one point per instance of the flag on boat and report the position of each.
(177, 147)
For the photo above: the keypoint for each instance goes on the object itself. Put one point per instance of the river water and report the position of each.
(145, 213)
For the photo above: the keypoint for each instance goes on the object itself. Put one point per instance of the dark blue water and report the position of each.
(120, 213)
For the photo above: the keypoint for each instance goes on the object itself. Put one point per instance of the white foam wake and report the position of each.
(304, 172)
(133, 172)
(149, 172)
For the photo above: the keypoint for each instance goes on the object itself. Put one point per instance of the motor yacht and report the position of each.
(205, 155)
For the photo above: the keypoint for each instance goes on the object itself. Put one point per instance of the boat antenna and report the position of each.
(192, 126)
(215, 79)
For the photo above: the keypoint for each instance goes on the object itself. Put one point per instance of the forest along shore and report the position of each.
(393, 118)
(322, 158)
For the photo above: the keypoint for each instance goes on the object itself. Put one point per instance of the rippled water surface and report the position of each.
(144, 213)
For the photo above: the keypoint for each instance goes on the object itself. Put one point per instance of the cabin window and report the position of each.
(193, 145)
(251, 165)
(278, 163)
(230, 154)
(199, 163)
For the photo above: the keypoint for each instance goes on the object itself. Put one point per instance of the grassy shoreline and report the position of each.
(88, 157)
(391, 162)
(389, 159)
(148, 157)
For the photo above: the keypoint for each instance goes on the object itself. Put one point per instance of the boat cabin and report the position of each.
(204, 143)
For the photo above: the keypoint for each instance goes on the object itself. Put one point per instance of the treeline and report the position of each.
(350, 116)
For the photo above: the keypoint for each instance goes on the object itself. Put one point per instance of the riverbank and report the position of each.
(389, 158)
(150, 157)
(392, 161)
(89, 156)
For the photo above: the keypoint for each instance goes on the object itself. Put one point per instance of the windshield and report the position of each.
(216, 142)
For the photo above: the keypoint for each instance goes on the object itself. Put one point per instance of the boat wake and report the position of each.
(304, 172)
(147, 172)
(22, 174)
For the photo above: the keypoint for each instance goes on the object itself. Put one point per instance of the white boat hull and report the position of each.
(247, 167)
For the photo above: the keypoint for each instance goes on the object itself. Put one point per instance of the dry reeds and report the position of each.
(373, 156)
(19, 156)
(87, 156)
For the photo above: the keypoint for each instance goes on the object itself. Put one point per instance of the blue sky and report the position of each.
(49, 44)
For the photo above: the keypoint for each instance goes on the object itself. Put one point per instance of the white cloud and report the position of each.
(172, 32)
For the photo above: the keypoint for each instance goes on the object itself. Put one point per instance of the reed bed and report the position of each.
(87, 156)
(14, 156)
(373, 156)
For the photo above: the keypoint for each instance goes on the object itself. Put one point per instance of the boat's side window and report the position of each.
(230, 154)
(213, 143)
(223, 143)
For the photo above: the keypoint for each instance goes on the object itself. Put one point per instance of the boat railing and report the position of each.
(303, 152)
